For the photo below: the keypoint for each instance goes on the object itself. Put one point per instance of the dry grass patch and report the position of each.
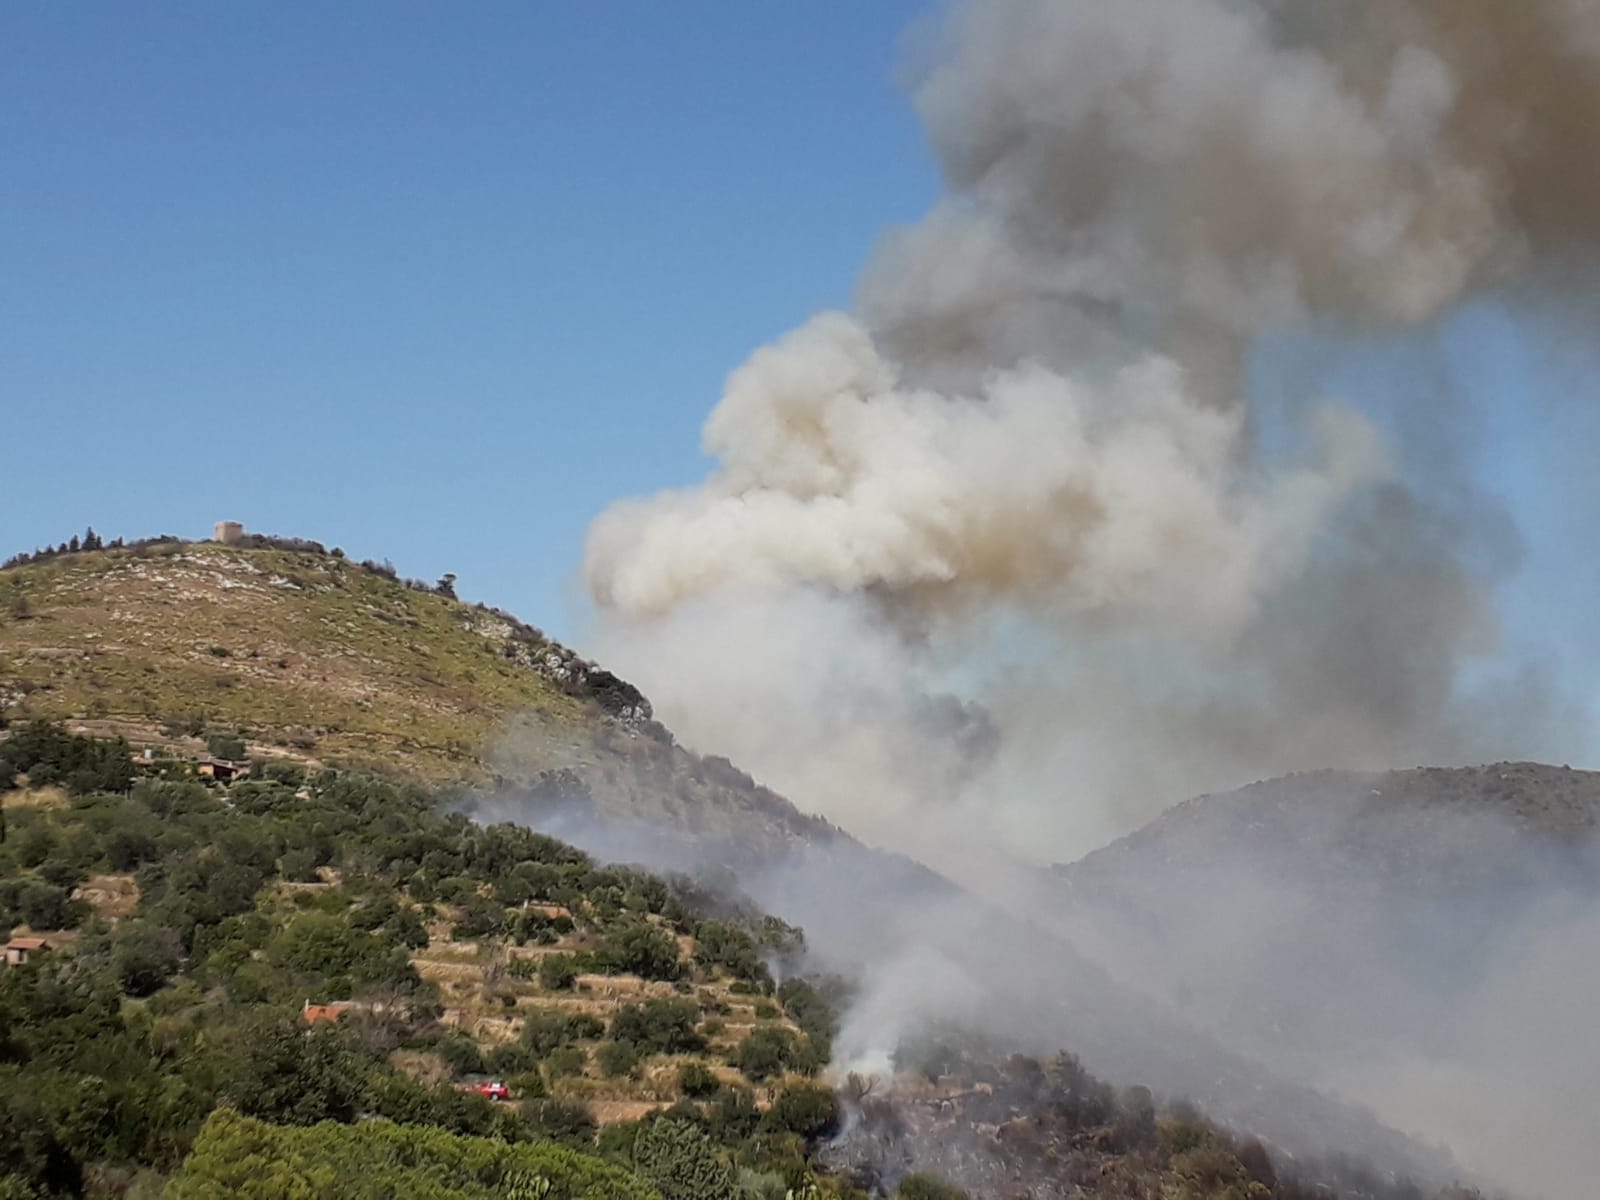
(425, 1067)
(280, 641)
(110, 896)
(454, 972)
(616, 1112)
(45, 797)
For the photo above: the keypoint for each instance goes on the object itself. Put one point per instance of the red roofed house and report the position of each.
(312, 1013)
(549, 910)
(18, 949)
(221, 769)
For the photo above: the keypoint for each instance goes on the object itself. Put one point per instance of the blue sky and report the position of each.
(430, 282)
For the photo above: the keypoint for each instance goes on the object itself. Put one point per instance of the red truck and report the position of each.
(484, 1086)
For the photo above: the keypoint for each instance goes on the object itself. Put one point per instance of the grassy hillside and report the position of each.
(320, 660)
(307, 652)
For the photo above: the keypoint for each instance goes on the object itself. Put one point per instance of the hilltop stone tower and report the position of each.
(227, 532)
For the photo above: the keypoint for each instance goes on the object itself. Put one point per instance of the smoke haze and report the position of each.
(1420, 941)
(1032, 471)
(1028, 547)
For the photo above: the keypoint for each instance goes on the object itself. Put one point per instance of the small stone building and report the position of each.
(311, 1013)
(221, 769)
(19, 949)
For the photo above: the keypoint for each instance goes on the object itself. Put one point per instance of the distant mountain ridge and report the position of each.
(1418, 940)
(1556, 802)
(1443, 834)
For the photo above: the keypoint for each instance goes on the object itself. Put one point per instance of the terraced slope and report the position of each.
(328, 662)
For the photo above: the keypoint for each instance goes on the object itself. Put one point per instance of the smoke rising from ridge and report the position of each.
(1044, 537)
(1032, 471)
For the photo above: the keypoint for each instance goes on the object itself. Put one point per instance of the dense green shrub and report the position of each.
(681, 1162)
(515, 1059)
(660, 1025)
(239, 1159)
(545, 1030)
(810, 1112)
(49, 755)
(922, 1186)
(144, 956)
(698, 1080)
(734, 1115)
(618, 1058)
(225, 745)
(568, 1060)
(480, 917)
(721, 944)
(46, 906)
(640, 949)
(557, 972)
(460, 1053)
(274, 1068)
(561, 1121)
(765, 1052)
(1213, 1172)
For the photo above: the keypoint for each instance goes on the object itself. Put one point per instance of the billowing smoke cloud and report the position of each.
(1043, 489)
(1035, 544)
(1033, 470)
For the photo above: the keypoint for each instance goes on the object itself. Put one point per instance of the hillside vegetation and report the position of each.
(166, 1047)
(237, 1158)
(316, 659)
(311, 968)
(306, 651)
(639, 994)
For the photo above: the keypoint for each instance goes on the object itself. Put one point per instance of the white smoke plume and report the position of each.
(1025, 550)
(1123, 495)
(1031, 471)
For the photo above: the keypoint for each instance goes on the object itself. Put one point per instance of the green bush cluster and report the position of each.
(660, 1025)
(922, 1186)
(546, 1030)
(236, 1158)
(773, 1049)
(48, 755)
(220, 959)
(679, 1159)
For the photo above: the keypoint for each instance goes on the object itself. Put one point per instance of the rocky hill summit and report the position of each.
(316, 659)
